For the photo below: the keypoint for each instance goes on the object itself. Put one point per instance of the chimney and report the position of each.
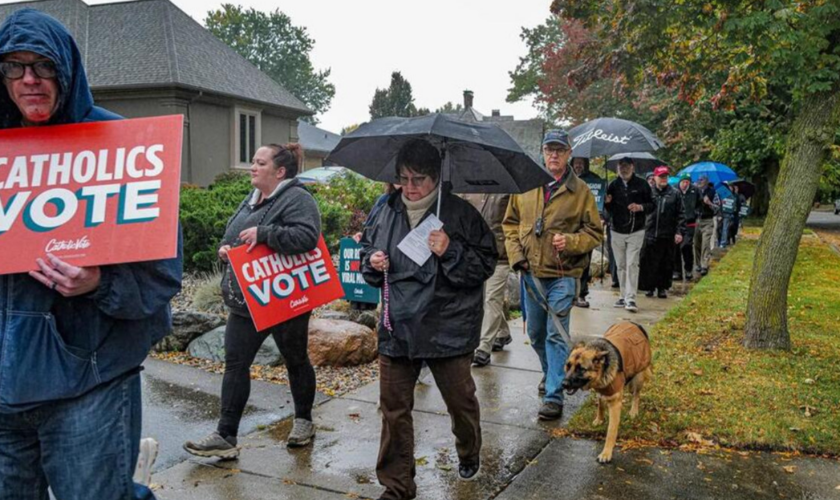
(497, 112)
(468, 99)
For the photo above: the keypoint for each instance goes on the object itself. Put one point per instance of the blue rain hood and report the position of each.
(32, 30)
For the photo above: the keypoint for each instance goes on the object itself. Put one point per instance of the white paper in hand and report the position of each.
(415, 245)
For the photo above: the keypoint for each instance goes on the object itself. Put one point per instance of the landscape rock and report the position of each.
(340, 343)
(211, 346)
(367, 318)
(186, 327)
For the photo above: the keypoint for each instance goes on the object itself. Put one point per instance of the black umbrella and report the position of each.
(745, 187)
(610, 136)
(644, 162)
(477, 157)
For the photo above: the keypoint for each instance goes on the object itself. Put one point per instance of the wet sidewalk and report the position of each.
(520, 459)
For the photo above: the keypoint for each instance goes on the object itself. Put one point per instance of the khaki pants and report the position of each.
(494, 323)
(703, 242)
(397, 378)
(627, 249)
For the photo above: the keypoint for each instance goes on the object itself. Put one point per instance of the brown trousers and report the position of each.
(397, 379)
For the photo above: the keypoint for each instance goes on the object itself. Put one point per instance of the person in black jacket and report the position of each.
(707, 207)
(665, 228)
(684, 252)
(431, 313)
(628, 199)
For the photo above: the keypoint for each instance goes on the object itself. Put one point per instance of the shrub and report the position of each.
(207, 296)
(343, 204)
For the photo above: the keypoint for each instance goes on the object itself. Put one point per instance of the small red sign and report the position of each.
(91, 193)
(279, 287)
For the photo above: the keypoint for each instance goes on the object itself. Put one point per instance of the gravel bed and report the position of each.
(332, 381)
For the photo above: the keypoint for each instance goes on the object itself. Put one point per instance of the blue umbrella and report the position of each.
(718, 173)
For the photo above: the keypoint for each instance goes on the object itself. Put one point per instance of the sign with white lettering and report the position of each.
(349, 266)
(279, 287)
(91, 193)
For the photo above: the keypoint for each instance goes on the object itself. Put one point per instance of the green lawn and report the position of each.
(705, 383)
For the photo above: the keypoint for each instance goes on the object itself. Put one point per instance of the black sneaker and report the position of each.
(631, 306)
(677, 277)
(615, 285)
(704, 271)
(481, 358)
(663, 294)
(500, 343)
(620, 303)
(213, 445)
(581, 302)
(551, 411)
(469, 471)
(649, 293)
(541, 387)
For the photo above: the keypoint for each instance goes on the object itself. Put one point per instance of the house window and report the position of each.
(247, 134)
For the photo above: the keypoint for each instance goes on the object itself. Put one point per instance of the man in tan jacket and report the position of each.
(549, 233)
(495, 334)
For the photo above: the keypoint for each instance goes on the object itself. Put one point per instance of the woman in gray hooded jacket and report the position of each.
(282, 214)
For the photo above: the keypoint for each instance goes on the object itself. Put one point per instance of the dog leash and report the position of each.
(542, 300)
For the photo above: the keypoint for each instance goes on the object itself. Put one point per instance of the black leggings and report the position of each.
(242, 341)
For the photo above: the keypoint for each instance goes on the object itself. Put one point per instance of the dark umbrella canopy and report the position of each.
(611, 136)
(745, 187)
(644, 162)
(478, 157)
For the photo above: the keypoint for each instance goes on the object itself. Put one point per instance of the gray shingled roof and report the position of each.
(527, 133)
(316, 139)
(152, 43)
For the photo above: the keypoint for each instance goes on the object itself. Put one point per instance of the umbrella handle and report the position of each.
(445, 172)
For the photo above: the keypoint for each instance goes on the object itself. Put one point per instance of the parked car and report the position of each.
(321, 175)
(837, 206)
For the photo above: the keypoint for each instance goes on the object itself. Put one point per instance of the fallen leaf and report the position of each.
(421, 461)
(699, 373)
(790, 469)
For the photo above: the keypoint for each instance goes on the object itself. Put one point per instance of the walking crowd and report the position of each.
(75, 428)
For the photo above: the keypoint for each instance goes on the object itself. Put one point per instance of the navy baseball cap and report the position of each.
(557, 136)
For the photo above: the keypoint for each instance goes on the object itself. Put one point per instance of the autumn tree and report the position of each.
(729, 54)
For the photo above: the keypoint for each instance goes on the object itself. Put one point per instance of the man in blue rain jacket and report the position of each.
(71, 339)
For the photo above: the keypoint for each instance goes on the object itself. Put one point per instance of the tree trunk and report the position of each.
(808, 145)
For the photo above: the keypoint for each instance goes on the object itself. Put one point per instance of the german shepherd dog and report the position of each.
(622, 358)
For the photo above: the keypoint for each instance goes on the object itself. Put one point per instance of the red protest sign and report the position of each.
(91, 193)
(279, 287)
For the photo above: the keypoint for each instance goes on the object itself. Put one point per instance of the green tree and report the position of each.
(396, 100)
(278, 48)
(731, 54)
(450, 108)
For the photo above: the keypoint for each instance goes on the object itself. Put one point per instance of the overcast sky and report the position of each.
(441, 46)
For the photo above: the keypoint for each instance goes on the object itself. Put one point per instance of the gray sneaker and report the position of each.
(302, 433)
(213, 445)
(145, 460)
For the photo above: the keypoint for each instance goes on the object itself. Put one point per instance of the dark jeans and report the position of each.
(82, 448)
(242, 341)
(613, 265)
(684, 254)
(585, 278)
(397, 378)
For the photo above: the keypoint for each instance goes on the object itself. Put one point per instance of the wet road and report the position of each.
(824, 220)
